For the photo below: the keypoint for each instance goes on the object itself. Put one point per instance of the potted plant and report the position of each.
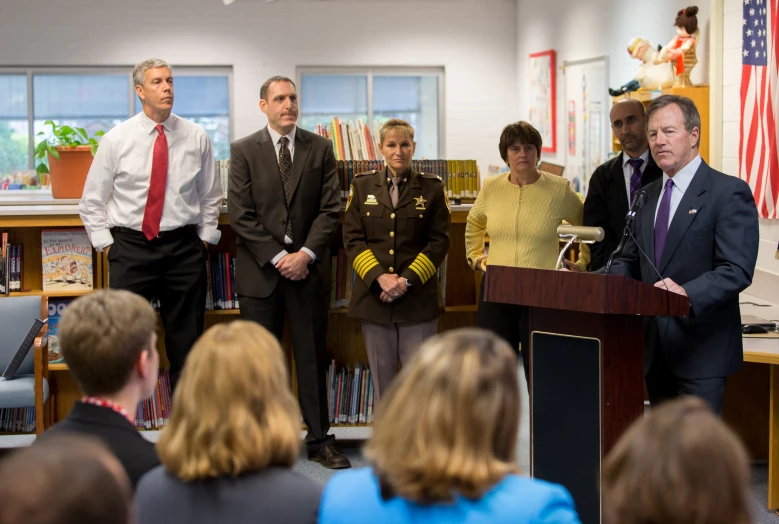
(70, 151)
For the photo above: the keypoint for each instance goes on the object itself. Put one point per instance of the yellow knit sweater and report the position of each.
(522, 221)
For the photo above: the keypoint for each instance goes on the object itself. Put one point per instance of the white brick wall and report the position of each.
(474, 41)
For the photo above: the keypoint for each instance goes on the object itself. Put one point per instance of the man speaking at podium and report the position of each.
(696, 235)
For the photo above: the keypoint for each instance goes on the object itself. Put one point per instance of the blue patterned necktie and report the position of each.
(635, 179)
(661, 222)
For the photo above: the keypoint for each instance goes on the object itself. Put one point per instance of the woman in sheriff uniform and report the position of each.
(396, 234)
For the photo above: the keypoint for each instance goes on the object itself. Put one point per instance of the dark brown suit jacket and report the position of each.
(258, 209)
(411, 239)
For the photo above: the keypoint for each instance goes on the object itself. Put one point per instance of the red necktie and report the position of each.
(156, 198)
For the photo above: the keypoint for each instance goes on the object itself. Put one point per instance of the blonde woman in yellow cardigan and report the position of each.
(521, 210)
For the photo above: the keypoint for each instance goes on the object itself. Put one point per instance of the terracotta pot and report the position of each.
(69, 173)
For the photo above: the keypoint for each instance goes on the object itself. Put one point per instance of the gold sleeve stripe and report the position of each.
(426, 262)
(364, 262)
(423, 272)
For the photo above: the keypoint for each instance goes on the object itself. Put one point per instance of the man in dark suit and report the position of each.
(115, 362)
(614, 182)
(283, 200)
(698, 231)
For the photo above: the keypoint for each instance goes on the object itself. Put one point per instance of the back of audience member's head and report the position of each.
(679, 465)
(105, 337)
(64, 479)
(448, 424)
(233, 411)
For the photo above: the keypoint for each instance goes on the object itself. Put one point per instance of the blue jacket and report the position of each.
(353, 497)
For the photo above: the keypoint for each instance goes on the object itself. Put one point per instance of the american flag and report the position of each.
(758, 146)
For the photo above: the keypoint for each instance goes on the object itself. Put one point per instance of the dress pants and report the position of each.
(172, 268)
(390, 346)
(662, 384)
(508, 321)
(308, 326)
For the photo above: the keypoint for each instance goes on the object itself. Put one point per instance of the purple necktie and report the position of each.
(661, 221)
(635, 179)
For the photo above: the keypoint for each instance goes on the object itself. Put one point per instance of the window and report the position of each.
(14, 124)
(376, 95)
(100, 98)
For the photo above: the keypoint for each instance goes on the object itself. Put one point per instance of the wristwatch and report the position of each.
(407, 282)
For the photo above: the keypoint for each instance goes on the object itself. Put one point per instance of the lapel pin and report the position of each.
(693, 211)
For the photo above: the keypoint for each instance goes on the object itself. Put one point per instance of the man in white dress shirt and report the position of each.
(151, 203)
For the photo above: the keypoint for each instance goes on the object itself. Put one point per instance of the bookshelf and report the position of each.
(344, 337)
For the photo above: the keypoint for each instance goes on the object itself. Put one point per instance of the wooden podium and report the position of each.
(587, 367)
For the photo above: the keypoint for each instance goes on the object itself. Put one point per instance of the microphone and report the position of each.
(638, 200)
(584, 234)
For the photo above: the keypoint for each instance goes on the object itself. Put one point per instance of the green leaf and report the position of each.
(40, 149)
(94, 149)
(93, 141)
(41, 168)
(50, 123)
(99, 132)
(53, 152)
(40, 133)
(82, 132)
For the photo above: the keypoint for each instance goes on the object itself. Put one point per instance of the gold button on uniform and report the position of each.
(392, 251)
(420, 216)
(392, 215)
(368, 214)
(391, 269)
(392, 234)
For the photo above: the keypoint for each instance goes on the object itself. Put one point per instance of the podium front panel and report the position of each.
(565, 397)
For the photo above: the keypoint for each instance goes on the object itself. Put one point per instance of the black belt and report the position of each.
(173, 233)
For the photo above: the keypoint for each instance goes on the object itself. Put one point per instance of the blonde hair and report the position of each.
(395, 124)
(448, 424)
(102, 336)
(233, 411)
(679, 465)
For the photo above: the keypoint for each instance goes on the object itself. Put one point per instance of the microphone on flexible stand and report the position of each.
(638, 200)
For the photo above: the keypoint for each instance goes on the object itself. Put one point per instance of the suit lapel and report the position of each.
(618, 176)
(302, 149)
(648, 224)
(682, 217)
(270, 163)
(412, 188)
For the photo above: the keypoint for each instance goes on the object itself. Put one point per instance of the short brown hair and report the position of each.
(521, 132)
(233, 411)
(64, 479)
(395, 124)
(268, 82)
(679, 465)
(448, 424)
(102, 336)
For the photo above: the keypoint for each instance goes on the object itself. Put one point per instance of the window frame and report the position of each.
(182, 70)
(374, 71)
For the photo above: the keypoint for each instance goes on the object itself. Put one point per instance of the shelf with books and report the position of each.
(59, 293)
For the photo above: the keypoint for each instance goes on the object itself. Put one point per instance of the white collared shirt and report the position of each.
(118, 182)
(682, 181)
(627, 169)
(275, 136)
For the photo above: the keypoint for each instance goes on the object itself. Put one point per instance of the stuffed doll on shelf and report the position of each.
(680, 51)
(649, 76)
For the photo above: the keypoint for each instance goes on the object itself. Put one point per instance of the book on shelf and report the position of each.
(11, 265)
(57, 307)
(66, 259)
(349, 394)
(17, 420)
(154, 412)
(222, 173)
(220, 274)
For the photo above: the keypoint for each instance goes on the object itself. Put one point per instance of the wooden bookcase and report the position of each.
(344, 337)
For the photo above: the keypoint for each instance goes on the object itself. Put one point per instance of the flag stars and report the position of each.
(743, 21)
(746, 2)
(757, 22)
(749, 32)
(764, 54)
(752, 12)
(746, 53)
(754, 43)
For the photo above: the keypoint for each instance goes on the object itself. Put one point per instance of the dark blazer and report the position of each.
(258, 209)
(136, 454)
(711, 251)
(275, 495)
(411, 240)
(606, 205)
